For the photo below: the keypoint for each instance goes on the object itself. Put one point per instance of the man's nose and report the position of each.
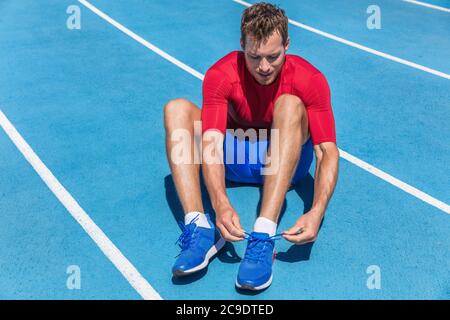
(264, 66)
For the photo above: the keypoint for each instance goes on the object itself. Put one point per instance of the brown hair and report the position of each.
(261, 19)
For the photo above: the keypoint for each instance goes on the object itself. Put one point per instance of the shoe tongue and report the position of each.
(260, 235)
(191, 227)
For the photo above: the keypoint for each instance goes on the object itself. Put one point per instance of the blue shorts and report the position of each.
(248, 169)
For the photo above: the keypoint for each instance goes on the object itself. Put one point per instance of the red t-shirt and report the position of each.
(232, 98)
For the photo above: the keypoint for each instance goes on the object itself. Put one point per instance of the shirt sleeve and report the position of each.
(216, 89)
(320, 113)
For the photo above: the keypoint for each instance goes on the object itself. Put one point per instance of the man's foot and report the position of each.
(198, 246)
(255, 271)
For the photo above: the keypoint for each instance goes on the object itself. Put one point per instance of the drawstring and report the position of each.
(186, 238)
(255, 243)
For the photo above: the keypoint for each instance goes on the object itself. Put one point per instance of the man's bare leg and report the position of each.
(181, 114)
(291, 120)
(179, 118)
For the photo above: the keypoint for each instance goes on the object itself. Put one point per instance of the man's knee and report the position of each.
(179, 112)
(290, 107)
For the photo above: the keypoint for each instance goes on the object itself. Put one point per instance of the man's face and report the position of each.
(265, 62)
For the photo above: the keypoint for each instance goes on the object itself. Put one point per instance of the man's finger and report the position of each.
(233, 230)
(237, 224)
(295, 230)
(226, 235)
(297, 239)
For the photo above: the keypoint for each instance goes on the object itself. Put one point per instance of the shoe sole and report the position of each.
(253, 288)
(209, 255)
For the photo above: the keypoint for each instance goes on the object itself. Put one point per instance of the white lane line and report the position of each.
(428, 5)
(361, 47)
(142, 41)
(363, 165)
(396, 182)
(108, 248)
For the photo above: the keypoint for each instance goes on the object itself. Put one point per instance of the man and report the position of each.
(260, 87)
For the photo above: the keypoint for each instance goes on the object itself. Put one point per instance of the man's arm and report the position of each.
(213, 171)
(216, 90)
(327, 159)
(327, 164)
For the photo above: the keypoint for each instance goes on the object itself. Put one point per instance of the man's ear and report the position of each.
(286, 47)
(242, 44)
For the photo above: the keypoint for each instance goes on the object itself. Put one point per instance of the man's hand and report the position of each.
(227, 220)
(327, 163)
(305, 229)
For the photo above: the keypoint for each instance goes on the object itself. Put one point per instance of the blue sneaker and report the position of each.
(255, 271)
(198, 246)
